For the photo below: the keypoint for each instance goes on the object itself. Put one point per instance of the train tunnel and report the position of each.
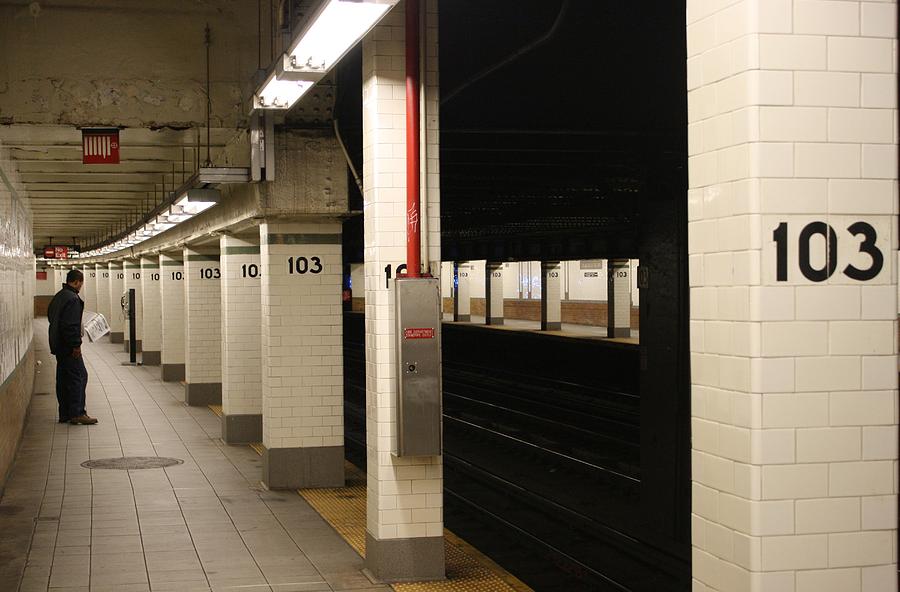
(410, 295)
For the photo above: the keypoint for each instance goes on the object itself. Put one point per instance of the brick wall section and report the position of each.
(404, 494)
(133, 281)
(116, 287)
(102, 274)
(792, 112)
(302, 329)
(151, 304)
(202, 316)
(241, 327)
(172, 308)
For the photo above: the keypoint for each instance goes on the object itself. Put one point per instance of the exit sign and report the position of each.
(100, 146)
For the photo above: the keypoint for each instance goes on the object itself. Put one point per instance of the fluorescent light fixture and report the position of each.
(175, 214)
(334, 30)
(198, 200)
(280, 93)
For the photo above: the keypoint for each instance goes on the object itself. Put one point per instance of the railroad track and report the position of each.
(543, 475)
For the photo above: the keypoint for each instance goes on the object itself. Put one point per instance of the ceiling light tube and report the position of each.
(281, 93)
(333, 30)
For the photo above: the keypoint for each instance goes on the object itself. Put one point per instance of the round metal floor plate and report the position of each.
(132, 463)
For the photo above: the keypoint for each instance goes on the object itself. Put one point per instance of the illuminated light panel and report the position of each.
(281, 94)
(334, 32)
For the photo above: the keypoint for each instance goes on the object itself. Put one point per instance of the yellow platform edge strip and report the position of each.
(467, 568)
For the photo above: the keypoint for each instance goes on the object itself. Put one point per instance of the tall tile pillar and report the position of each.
(493, 293)
(202, 326)
(462, 297)
(151, 311)
(89, 290)
(171, 283)
(551, 296)
(792, 243)
(241, 346)
(101, 271)
(302, 354)
(404, 517)
(619, 298)
(116, 314)
(133, 282)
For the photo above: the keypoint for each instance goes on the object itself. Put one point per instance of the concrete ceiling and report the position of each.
(139, 67)
(70, 199)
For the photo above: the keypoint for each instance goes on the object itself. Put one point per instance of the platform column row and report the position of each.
(404, 529)
(116, 288)
(101, 272)
(151, 309)
(202, 326)
(241, 339)
(132, 272)
(792, 242)
(172, 327)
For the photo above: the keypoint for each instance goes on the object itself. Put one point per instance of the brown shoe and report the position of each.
(83, 420)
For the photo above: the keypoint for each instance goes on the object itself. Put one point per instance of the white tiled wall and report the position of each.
(171, 284)
(404, 494)
(202, 316)
(302, 328)
(17, 272)
(151, 304)
(241, 327)
(116, 289)
(792, 111)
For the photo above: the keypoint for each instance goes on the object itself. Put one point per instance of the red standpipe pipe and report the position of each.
(413, 176)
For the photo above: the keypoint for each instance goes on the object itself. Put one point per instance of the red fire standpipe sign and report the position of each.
(419, 333)
(101, 146)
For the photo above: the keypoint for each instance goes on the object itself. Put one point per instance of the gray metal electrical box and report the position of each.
(419, 416)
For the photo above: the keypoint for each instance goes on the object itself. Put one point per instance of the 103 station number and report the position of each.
(819, 250)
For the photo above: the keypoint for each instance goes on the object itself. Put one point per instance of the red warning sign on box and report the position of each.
(419, 333)
(101, 146)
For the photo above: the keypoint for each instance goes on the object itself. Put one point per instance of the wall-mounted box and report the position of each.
(418, 324)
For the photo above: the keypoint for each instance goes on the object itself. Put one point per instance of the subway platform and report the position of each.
(202, 524)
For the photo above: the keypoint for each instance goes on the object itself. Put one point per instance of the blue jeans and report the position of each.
(71, 382)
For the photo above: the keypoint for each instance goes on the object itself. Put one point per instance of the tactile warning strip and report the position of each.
(468, 570)
(217, 409)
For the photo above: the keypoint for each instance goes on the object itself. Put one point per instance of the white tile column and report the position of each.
(619, 298)
(202, 326)
(241, 346)
(302, 355)
(551, 303)
(89, 290)
(116, 315)
(101, 273)
(462, 297)
(792, 242)
(404, 527)
(151, 311)
(493, 297)
(133, 282)
(171, 284)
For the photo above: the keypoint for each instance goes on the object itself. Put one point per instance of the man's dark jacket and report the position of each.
(65, 312)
